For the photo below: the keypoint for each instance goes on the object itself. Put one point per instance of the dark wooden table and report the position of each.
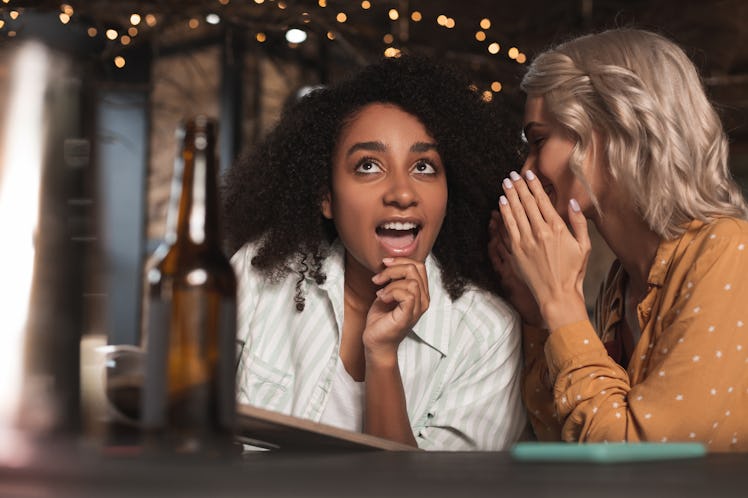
(69, 471)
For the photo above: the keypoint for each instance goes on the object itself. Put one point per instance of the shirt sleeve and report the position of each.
(537, 391)
(248, 288)
(481, 407)
(685, 390)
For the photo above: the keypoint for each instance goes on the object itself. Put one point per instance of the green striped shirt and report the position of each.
(460, 365)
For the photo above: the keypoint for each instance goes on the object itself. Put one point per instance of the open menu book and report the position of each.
(272, 430)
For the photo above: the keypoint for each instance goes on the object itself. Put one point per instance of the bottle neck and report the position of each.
(193, 211)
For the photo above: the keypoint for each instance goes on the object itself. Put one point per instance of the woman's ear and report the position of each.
(326, 206)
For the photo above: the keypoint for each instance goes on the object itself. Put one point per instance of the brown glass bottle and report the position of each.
(188, 401)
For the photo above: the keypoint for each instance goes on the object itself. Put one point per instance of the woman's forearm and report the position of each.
(385, 413)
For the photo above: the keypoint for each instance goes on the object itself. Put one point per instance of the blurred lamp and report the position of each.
(296, 35)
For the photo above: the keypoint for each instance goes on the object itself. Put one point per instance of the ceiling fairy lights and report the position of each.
(330, 20)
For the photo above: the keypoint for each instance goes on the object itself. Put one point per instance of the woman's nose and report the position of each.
(401, 192)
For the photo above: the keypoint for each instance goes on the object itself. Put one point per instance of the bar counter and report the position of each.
(67, 471)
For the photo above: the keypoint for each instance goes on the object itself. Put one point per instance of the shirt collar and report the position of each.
(430, 328)
(667, 251)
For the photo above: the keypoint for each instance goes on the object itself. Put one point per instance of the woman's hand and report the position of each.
(398, 306)
(545, 254)
(518, 293)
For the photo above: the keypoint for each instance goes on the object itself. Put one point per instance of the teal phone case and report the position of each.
(605, 452)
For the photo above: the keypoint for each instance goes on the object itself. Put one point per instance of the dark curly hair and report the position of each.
(273, 195)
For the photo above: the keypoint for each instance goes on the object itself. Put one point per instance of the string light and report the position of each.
(13, 14)
(2, 23)
(67, 10)
(392, 52)
(487, 96)
(119, 61)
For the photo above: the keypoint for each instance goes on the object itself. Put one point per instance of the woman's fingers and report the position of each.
(542, 201)
(581, 233)
(409, 298)
(529, 203)
(579, 225)
(405, 269)
(511, 201)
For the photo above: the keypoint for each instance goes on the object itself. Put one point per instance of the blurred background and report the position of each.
(133, 69)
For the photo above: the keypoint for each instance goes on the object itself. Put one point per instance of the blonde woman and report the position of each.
(621, 133)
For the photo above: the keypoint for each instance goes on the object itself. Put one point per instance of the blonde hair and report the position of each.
(662, 139)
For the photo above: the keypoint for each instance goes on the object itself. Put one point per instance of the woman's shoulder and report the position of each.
(717, 236)
(488, 315)
(725, 227)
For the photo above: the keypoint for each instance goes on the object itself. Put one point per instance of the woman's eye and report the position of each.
(424, 168)
(368, 166)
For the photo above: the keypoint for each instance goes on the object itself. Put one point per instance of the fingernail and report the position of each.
(529, 175)
(507, 183)
(574, 205)
(514, 176)
(387, 260)
(503, 201)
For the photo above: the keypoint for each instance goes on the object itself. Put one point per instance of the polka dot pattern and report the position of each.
(677, 385)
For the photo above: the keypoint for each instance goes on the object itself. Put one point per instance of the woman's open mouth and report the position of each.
(398, 238)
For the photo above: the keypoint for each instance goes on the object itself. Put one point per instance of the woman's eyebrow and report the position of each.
(422, 147)
(372, 146)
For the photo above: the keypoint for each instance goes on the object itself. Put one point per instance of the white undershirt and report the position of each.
(345, 402)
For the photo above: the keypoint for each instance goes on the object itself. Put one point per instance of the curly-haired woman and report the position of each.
(621, 132)
(366, 295)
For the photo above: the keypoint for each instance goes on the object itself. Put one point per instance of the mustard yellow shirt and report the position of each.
(687, 379)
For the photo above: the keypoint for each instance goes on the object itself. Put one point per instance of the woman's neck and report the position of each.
(360, 291)
(634, 244)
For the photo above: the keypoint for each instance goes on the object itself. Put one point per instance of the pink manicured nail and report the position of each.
(574, 205)
(507, 183)
(529, 175)
(503, 201)
(387, 260)
(514, 176)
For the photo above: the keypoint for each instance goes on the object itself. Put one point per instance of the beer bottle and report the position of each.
(188, 401)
